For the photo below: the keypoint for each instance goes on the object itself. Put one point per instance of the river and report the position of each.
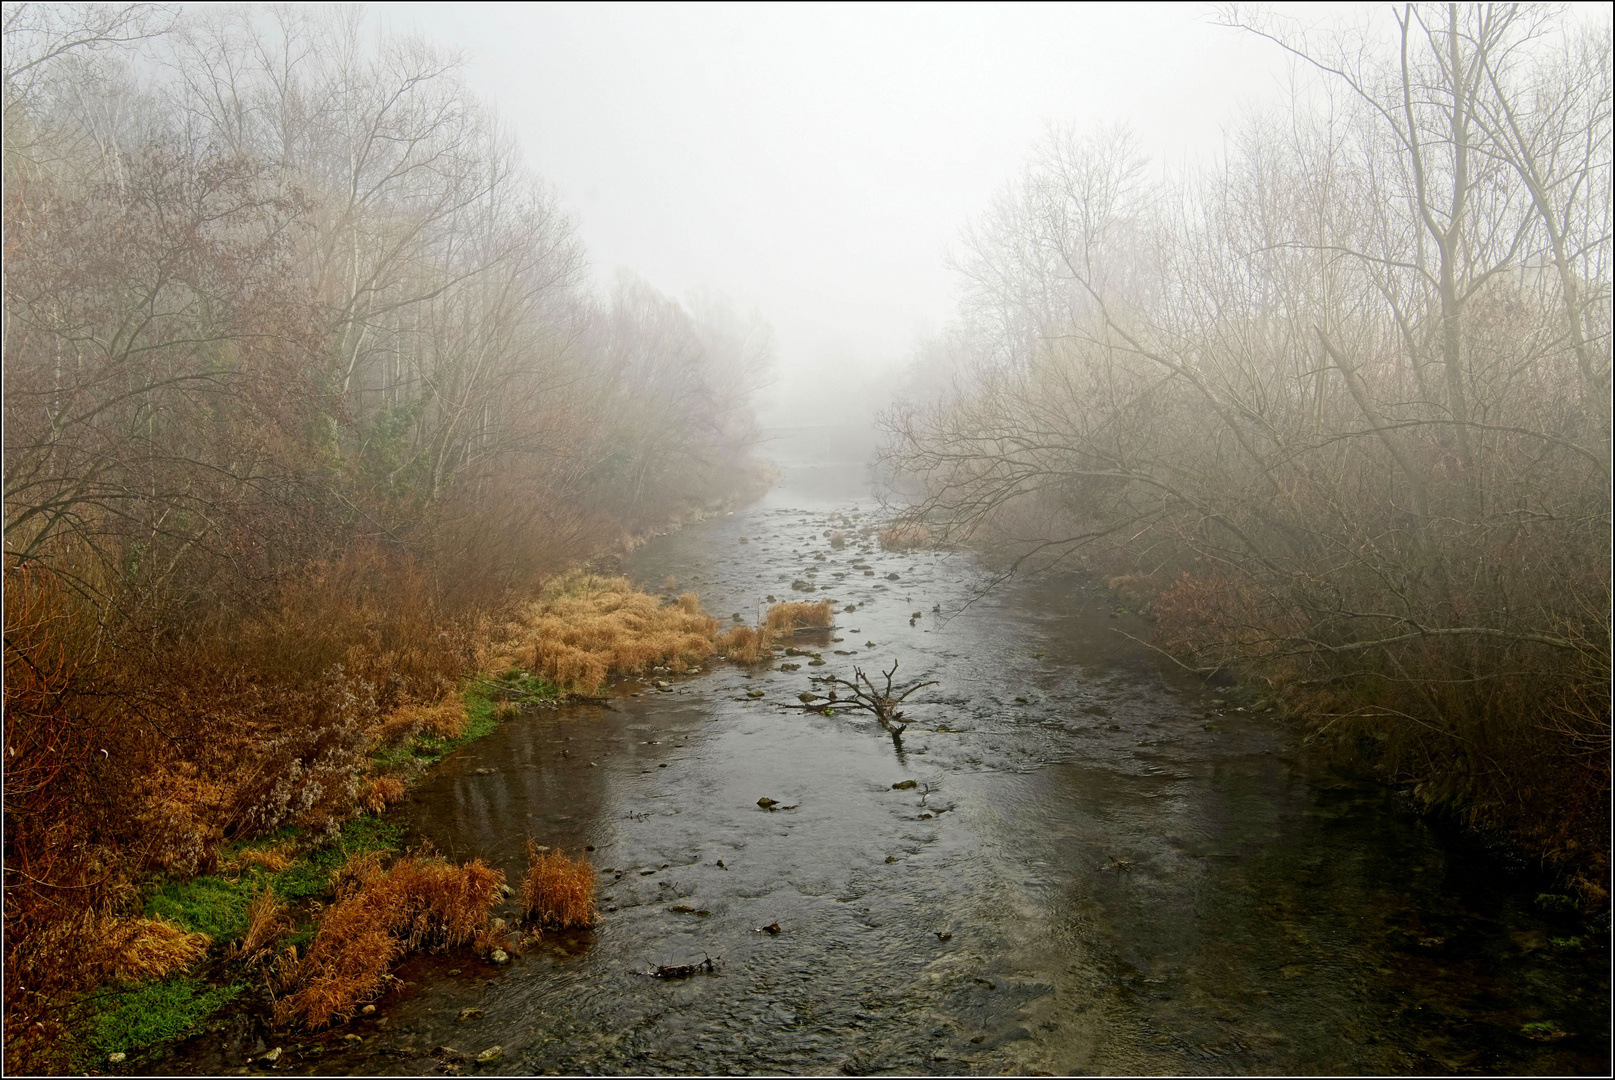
(1104, 864)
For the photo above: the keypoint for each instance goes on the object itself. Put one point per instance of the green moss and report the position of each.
(310, 874)
(482, 698)
(1556, 904)
(212, 905)
(217, 905)
(134, 1018)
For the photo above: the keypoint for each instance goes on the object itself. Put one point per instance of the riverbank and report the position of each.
(165, 950)
(1100, 866)
(245, 922)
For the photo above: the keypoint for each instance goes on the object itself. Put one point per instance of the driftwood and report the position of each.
(882, 704)
(683, 971)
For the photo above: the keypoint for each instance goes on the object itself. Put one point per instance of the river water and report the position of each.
(1104, 866)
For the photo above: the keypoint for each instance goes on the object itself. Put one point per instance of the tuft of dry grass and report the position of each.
(586, 628)
(266, 921)
(838, 539)
(786, 619)
(1134, 590)
(748, 645)
(744, 645)
(146, 948)
(383, 791)
(557, 891)
(444, 720)
(274, 859)
(905, 536)
(105, 947)
(422, 902)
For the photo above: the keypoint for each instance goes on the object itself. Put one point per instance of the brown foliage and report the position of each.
(904, 536)
(92, 948)
(421, 902)
(274, 859)
(557, 891)
(585, 629)
(255, 503)
(384, 791)
(266, 921)
(785, 619)
(746, 645)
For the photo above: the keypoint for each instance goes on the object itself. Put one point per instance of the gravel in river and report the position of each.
(1103, 865)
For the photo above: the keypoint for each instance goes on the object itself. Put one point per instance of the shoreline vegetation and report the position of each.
(316, 918)
(308, 393)
(1336, 407)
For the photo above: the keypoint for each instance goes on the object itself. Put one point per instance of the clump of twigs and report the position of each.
(881, 703)
(684, 971)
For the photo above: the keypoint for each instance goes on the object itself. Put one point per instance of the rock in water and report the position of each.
(766, 803)
(490, 1054)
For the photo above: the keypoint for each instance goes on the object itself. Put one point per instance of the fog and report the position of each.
(816, 163)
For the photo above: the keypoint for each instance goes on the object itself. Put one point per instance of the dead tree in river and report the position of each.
(882, 703)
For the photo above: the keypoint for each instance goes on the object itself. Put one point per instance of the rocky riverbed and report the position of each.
(1075, 859)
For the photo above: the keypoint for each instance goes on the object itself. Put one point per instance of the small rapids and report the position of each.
(1103, 864)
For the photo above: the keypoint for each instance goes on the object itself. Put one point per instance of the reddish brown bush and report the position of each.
(557, 891)
(384, 791)
(422, 902)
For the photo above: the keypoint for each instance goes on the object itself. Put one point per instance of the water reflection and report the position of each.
(1101, 865)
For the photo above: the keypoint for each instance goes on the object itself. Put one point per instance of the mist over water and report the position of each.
(1104, 866)
(348, 351)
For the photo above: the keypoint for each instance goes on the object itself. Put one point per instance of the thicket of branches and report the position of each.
(301, 375)
(1341, 403)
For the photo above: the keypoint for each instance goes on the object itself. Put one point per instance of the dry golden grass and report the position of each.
(383, 792)
(147, 948)
(748, 645)
(745, 645)
(103, 947)
(786, 619)
(397, 726)
(445, 720)
(904, 536)
(274, 859)
(266, 921)
(1134, 590)
(422, 902)
(557, 891)
(586, 628)
(838, 539)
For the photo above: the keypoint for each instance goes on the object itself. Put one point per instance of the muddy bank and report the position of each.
(1102, 865)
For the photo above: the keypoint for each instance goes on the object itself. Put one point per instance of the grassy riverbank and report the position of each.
(181, 943)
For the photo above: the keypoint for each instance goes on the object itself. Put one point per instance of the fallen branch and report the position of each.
(683, 971)
(882, 704)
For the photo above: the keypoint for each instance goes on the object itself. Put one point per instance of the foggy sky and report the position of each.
(814, 163)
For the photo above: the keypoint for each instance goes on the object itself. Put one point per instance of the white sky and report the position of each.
(814, 162)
